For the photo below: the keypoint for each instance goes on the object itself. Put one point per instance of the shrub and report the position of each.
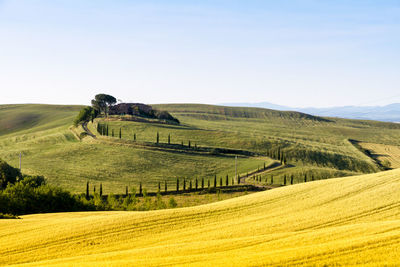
(172, 203)
(8, 174)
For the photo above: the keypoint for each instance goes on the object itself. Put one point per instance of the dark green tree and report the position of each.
(107, 130)
(169, 139)
(190, 185)
(284, 179)
(159, 187)
(184, 184)
(103, 102)
(101, 189)
(126, 191)
(158, 138)
(215, 181)
(165, 186)
(85, 114)
(120, 133)
(202, 183)
(305, 178)
(220, 182)
(272, 179)
(227, 180)
(197, 185)
(291, 179)
(189, 144)
(140, 189)
(208, 182)
(8, 174)
(134, 137)
(87, 190)
(112, 132)
(177, 185)
(94, 189)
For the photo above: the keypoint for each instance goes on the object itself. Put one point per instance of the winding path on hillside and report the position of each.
(86, 129)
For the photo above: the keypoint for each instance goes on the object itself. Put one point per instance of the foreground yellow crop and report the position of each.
(346, 221)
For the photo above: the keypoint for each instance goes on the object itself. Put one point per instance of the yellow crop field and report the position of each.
(344, 221)
(389, 153)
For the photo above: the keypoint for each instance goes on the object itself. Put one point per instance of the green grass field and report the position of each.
(312, 145)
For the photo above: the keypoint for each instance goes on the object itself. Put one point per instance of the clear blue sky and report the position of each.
(297, 53)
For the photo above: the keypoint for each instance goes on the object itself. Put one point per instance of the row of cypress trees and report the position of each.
(305, 178)
(102, 129)
(185, 185)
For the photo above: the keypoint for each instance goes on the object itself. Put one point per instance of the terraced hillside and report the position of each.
(343, 221)
(318, 147)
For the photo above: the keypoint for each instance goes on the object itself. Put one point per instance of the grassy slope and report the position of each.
(384, 153)
(50, 148)
(346, 221)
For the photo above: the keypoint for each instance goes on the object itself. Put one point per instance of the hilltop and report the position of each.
(346, 221)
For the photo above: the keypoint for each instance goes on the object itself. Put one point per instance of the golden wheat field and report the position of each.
(383, 152)
(343, 221)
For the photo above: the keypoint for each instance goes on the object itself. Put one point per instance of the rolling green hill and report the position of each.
(352, 221)
(318, 147)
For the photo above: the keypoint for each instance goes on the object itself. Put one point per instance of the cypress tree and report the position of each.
(220, 182)
(264, 165)
(305, 178)
(272, 179)
(134, 137)
(101, 189)
(94, 189)
(190, 185)
(169, 139)
(184, 184)
(158, 138)
(87, 190)
(182, 143)
(208, 181)
(202, 183)
(215, 181)
(165, 185)
(159, 187)
(233, 181)
(189, 144)
(140, 188)
(120, 133)
(227, 180)
(291, 179)
(312, 177)
(196, 184)
(284, 179)
(112, 132)
(177, 184)
(126, 191)
(238, 179)
(107, 130)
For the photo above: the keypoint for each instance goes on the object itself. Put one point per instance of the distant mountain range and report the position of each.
(390, 113)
